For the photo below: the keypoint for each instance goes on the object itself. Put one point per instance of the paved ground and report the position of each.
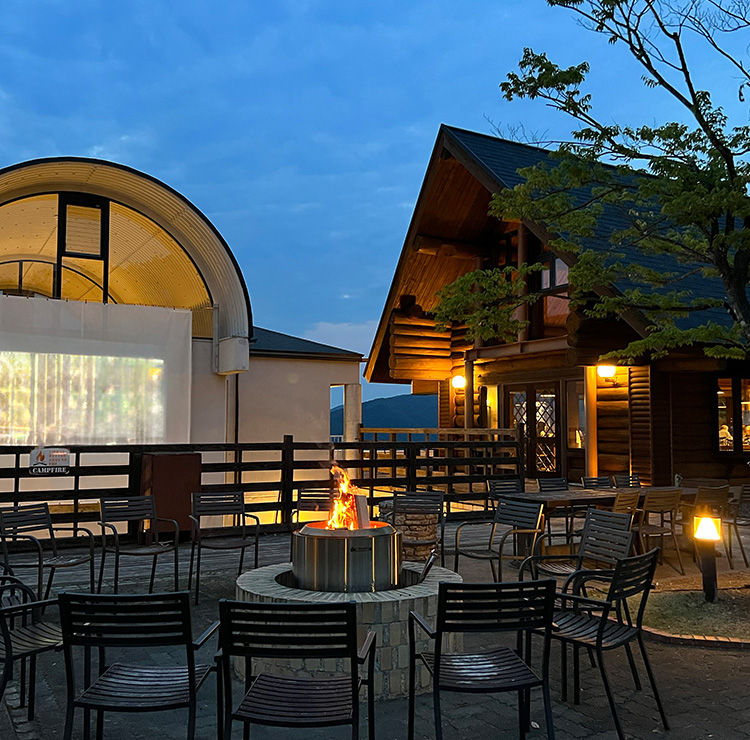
(705, 691)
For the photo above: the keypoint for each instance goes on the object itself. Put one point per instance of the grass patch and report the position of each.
(687, 613)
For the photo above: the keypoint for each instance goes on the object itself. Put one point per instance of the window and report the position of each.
(549, 314)
(733, 414)
(576, 414)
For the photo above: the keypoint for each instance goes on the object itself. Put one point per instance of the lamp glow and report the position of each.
(458, 382)
(606, 371)
(708, 528)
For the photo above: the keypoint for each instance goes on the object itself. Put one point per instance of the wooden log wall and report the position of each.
(613, 428)
(480, 403)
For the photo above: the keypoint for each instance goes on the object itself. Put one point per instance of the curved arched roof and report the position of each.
(163, 250)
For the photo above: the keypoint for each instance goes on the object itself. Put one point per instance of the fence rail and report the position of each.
(270, 473)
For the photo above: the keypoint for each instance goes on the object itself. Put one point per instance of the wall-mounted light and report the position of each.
(458, 382)
(607, 373)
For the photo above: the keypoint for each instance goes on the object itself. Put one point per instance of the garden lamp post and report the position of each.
(707, 532)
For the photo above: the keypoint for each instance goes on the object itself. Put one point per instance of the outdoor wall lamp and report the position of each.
(458, 382)
(607, 372)
(707, 531)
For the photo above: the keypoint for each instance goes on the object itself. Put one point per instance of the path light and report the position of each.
(708, 531)
(458, 382)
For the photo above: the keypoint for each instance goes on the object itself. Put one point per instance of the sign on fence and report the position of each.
(49, 461)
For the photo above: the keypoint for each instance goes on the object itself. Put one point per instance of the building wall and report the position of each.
(208, 397)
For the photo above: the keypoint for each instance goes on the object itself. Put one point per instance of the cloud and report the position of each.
(356, 337)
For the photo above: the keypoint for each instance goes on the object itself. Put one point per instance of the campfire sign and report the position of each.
(49, 461)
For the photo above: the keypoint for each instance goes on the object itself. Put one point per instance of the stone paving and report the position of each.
(705, 692)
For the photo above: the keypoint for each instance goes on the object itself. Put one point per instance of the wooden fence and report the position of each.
(270, 473)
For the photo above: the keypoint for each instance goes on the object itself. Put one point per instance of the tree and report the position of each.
(677, 191)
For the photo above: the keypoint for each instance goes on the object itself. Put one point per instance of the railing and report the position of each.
(394, 434)
(269, 473)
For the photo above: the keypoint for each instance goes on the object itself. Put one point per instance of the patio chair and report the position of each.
(140, 513)
(23, 524)
(518, 519)
(601, 625)
(293, 632)
(626, 502)
(312, 500)
(486, 608)
(627, 480)
(664, 505)
(605, 539)
(24, 634)
(553, 484)
(500, 486)
(739, 516)
(234, 537)
(547, 485)
(596, 482)
(134, 624)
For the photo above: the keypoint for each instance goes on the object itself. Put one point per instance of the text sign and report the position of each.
(49, 461)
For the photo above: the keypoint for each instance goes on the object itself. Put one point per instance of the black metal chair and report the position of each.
(739, 516)
(519, 608)
(410, 504)
(138, 623)
(553, 484)
(21, 524)
(501, 486)
(606, 538)
(23, 635)
(312, 500)
(602, 625)
(596, 481)
(518, 519)
(627, 481)
(140, 513)
(664, 505)
(294, 632)
(234, 537)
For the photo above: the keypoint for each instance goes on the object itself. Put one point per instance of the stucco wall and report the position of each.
(208, 397)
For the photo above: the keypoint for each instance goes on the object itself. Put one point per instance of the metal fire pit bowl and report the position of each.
(346, 560)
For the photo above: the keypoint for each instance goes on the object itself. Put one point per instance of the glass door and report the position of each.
(536, 406)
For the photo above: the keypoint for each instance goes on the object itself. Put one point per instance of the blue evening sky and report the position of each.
(301, 128)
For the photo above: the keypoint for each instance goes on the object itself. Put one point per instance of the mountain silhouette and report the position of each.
(396, 412)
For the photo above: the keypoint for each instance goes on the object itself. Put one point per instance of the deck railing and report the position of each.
(270, 473)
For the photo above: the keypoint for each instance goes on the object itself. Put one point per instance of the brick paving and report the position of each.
(705, 691)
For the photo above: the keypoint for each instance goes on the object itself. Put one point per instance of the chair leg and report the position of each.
(633, 669)
(548, 711)
(677, 550)
(176, 569)
(370, 711)
(117, 572)
(242, 562)
(494, 568)
(739, 542)
(652, 681)
(191, 722)
(198, 574)
(610, 696)
(68, 731)
(436, 707)
(564, 671)
(48, 589)
(100, 725)
(576, 674)
(521, 716)
(412, 681)
(153, 576)
(32, 687)
(101, 572)
(190, 567)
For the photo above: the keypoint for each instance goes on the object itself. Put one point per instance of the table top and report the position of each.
(592, 496)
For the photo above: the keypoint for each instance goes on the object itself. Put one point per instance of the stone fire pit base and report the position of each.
(384, 612)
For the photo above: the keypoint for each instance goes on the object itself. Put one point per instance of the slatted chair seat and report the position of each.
(32, 640)
(303, 702)
(493, 670)
(137, 688)
(584, 629)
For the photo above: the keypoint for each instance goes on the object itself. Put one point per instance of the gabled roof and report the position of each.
(494, 163)
(267, 343)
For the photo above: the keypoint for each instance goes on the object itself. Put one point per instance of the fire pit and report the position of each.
(348, 553)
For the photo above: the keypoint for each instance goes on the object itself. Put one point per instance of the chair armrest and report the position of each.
(416, 618)
(367, 647)
(15, 609)
(533, 559)
(202, 639)
(581, 577)
(169, 521)
(254, 517)
(584, 601)
(482, 522)
(195, 527)
(115, 534)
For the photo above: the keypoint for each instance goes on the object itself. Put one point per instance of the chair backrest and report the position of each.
(495, 607)
(626, 502)
(519, 514)
(500, 486)
(128, 509)
(633, 576)
(627, 481)
(230, 503)
(712, 500)
(125, 620)
(596, 481)
(255, 630)
(419, 502)
(314, 499)
(743, 506)
(606, 536)
(553, 484)
(25, 519)
(661, 502)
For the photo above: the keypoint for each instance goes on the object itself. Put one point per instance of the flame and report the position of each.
(40, 456)
(344, 512)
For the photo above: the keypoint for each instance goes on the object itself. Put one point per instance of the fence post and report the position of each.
(287, 479)
(411, 466)
(521, 439)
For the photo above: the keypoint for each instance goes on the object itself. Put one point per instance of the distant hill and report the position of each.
(398, 412)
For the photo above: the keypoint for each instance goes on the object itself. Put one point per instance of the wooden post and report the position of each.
(469, 394)
(287, 479)
(591, 450)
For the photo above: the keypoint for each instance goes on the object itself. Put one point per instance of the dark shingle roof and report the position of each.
(501, 160)
(267, 342)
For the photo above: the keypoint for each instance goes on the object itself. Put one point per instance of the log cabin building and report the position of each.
(684, 414)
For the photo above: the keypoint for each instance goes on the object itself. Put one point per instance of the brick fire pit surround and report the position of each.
(384, 612)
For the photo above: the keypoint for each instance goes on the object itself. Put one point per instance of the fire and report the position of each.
(344, 512)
